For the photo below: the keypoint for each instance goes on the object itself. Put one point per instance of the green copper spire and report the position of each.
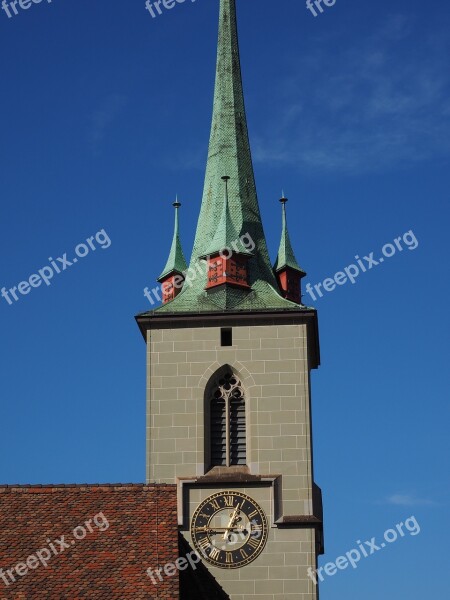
(176, 261)
(229, 154)
(286, 256)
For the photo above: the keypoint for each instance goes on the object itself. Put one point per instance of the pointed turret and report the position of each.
(225, 230)
(226, 261)
(172, 277)
(286, 267)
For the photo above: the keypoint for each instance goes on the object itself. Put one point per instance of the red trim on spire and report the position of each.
(289, 281)
(232, 270)
(171, 286)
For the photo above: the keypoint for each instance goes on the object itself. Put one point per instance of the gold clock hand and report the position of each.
(230, 524)
(234, 515)
(206, 528)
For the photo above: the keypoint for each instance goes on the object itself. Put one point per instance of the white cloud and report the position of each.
(409, 500)
(372, 104)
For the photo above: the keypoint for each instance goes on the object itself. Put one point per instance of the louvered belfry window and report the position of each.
(227, 427)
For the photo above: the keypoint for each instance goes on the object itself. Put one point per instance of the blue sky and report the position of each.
(105, 117)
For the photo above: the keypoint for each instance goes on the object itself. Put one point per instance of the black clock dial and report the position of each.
(229, 530)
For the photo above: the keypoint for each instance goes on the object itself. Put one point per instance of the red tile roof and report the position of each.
(97, 542)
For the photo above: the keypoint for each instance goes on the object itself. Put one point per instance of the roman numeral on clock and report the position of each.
(257, 529)
(229, 529)
(204, 544)
(253, 543)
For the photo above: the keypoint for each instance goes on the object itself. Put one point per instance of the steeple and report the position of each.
(286, 267)
(229, 154)
(172, 276)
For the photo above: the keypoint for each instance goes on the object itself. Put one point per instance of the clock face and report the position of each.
(229, 530)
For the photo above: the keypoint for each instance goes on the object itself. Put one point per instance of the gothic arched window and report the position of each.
(227, 422)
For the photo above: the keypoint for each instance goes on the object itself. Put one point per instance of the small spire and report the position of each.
(176, 261)
(226, 232)
(286, 256)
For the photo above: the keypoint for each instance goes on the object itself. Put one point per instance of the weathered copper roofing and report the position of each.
(286, 256)
(226, 232)
(176, 261)
(229, 154)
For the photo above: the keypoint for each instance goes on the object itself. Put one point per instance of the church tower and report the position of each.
(229, 356)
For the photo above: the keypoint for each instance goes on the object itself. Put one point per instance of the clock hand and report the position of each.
(234, 515)
(230, 524)
(209, 529)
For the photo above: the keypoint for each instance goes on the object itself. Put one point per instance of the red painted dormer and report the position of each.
(226, 269)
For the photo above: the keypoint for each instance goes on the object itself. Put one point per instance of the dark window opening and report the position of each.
(226, 336)
(227, 423)
(218, 432)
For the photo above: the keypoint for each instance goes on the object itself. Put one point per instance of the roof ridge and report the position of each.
(85, 486)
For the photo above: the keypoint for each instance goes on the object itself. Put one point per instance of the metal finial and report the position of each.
(226, 178)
